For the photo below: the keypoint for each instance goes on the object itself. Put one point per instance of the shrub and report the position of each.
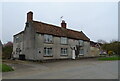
(110, 53)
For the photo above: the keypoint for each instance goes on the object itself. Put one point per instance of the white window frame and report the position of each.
(81, 52)
(64, 51)
(47, 51)
(64, 40)
(48, 38)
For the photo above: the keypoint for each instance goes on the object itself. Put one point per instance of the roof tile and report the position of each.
(44, 28)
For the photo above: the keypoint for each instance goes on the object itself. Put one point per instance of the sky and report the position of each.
(98, 20)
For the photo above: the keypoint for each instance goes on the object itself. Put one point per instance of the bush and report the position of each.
(110, 53)
(113, 46)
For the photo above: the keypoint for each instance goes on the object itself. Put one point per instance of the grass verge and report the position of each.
(5, 68)
(109, 58)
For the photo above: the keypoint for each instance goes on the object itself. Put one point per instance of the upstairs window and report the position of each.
(63, 51)
(18, 38)
(63, 40)
(81, 42)
(48, 38)
(47, 51)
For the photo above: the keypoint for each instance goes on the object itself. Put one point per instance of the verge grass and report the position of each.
(5, 68)
(110, 58)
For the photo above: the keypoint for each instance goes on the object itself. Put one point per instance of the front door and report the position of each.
(22, 57)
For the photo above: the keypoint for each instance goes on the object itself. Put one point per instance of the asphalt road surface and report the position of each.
(67, 69)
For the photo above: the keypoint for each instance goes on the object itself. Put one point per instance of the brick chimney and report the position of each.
(63, 24)
(29, 16)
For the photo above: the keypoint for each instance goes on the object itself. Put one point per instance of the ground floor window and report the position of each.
(81, 52)
(63, 51)
(47, 51)
(18, 50)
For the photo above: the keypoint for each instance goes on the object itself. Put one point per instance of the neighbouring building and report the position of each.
(41, 41)
(95, 49)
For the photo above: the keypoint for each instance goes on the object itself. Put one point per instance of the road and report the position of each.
(67, 69)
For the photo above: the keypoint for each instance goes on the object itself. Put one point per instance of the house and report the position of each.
(41, 41)
(95, 49)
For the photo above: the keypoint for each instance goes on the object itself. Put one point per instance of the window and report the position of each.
(48, 51)
(63, 51)
(81, 52)
(81, 43)
(17, 39)
(48, 38)
(18, 50)
(63, 40)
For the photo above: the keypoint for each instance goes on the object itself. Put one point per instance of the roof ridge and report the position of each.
(47, 24)
(74, 30)
(57, 26)
(45, 28)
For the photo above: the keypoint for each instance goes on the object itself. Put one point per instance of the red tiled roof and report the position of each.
(44, 28)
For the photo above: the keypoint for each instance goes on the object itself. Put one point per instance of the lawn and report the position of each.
(110, 58)
(5, 68)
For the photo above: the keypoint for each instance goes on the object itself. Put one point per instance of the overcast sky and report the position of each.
(98, 20)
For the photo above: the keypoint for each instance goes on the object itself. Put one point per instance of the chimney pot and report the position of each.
(63, 24)
(30, 16)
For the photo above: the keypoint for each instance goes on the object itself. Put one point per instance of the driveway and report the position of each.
(67, 69)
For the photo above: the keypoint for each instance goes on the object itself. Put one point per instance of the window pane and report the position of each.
(63, 40)
(17, 39)
(81, 43)
(63, 51)
(48, 51)
(48, 38)
(81, 51)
